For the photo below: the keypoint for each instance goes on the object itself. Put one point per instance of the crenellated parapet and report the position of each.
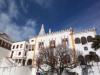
(93, 29)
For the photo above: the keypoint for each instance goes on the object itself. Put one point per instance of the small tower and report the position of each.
(42, 31)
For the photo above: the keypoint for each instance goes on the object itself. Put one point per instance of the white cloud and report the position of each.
(44, 3)
(2, 4)
(15, 31)
(12, 9)
(24, 6)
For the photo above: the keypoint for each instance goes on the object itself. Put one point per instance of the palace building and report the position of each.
(24, 52)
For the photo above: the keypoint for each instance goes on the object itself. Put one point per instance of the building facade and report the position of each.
(5, 44)
(25, 52)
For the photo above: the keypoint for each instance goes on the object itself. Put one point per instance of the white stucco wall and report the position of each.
(4, 52)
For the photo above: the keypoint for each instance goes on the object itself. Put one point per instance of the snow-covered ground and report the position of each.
(8, 68)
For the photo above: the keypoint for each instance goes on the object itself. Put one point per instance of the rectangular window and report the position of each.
(19, 53)
(21, 45)
(17, 46)
(13, 46)
(25, 53)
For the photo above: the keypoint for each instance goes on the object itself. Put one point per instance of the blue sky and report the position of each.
(22, 19)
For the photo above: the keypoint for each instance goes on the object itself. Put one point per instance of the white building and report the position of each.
(24, 52)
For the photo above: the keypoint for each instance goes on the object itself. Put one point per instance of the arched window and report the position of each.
(41, 45)
(89, 39)
(64, 42)
(52, 44)
(77, 40)
(83, 40)
(29, 62)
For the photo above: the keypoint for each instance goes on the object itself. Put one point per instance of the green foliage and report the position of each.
(96, 42)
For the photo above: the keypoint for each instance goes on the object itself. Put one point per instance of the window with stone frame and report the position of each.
(77, 41)
(41, 45)
(83, 40)
(90, 39)
(19, 53)
(64, 42)
(52, 44)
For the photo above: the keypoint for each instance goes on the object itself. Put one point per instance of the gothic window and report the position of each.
(41, 45)
(77, 41)
(83, 40)
(21, 45)
(19, 53)
(89, 39)
(52, 44)
(17, 46)
(64, 42)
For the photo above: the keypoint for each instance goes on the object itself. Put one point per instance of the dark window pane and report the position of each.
(19, 53)
(77, 41)
(13, 46)
(17, 46)
(41, 45)
(85, 48)
(89, 39)
(83, 40)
